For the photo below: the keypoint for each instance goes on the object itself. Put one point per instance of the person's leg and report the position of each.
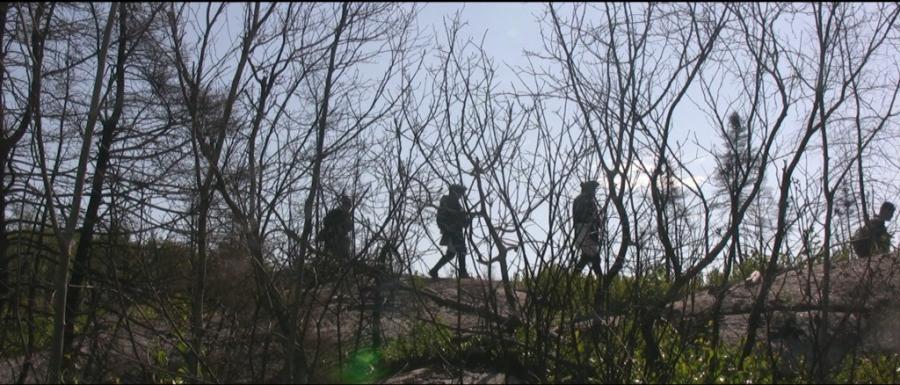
(461, 262)
(582, 261)
(865, 249)
(458, 243)
(593, 254)
(857, 247)
(881, 245)
(332, 262)
(581, 235)
(346, 254)
(448, 256)
(595, 265)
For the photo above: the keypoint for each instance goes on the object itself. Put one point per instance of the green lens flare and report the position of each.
(363, 367)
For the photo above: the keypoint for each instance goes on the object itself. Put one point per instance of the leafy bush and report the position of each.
(870, 369)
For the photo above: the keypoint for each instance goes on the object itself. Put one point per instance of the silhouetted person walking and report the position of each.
(336, 229)
(873, 238)
(586, 219)
(452, 220)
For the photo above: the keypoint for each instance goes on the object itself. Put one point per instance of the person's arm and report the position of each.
(578, 210)
(327, 226)
(459, 215)
(442, 215)
(575, 211)
(349, 222)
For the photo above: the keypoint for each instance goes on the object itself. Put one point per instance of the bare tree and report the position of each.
(165, 169)
(31, 25)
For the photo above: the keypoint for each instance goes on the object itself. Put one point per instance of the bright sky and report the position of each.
(508, 30)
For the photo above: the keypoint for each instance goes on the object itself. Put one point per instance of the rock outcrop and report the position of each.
(863, 308)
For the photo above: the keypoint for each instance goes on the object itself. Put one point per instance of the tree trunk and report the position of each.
(61, 283)
(199, 283)
(296, 359)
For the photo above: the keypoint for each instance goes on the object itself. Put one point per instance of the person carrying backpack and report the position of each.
(452, 220)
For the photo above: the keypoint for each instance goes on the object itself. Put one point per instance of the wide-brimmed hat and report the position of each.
(457, 187)
(589, 185)
(887, 209)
